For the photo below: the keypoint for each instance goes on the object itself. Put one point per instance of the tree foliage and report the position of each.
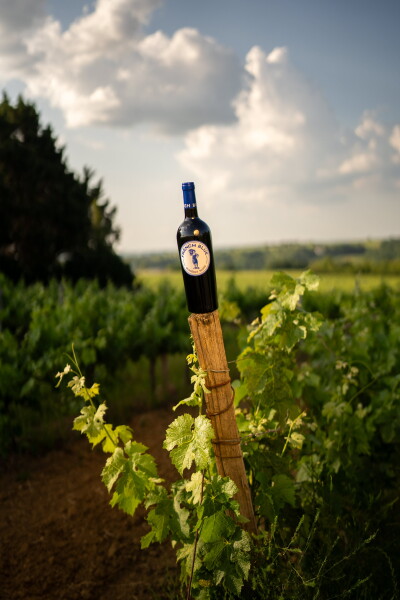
(53, 223)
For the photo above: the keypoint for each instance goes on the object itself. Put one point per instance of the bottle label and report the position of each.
(195, 257)
(190, 205)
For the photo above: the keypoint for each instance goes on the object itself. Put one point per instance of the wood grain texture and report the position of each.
(207, 335)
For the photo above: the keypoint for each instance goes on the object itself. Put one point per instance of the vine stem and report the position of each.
(75, 361)
(290, 431)
(189, 587)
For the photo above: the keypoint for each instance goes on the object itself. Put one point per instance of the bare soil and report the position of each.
(60, 539)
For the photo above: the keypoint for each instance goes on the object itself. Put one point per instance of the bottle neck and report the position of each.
(189, 202)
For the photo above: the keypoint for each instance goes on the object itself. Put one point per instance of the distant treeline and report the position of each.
(355, 257)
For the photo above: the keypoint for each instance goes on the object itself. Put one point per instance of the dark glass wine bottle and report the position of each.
(196, 256)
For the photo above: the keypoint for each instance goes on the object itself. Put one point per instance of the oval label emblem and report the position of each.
(195, 257)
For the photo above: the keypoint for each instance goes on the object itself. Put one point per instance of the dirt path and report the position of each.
(60, 539)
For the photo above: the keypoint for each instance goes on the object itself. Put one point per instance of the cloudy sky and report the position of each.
(285, 113)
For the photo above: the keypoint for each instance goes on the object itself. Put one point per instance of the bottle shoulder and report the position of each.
(190, 225)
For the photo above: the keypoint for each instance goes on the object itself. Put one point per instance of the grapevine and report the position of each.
(313, 409)
(198, 514)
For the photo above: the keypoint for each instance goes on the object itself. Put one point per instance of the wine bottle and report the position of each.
(196, 256)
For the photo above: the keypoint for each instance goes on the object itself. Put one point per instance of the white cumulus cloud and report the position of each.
(286, 144)
(19, 20)
(283, 133)
(371, 156)
(395, 143)
(104, 69)
(259, 136)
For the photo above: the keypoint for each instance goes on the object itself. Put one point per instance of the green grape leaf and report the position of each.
(199, 384)
(228, 487)
(215, 554)
(185, 554)
(192, 400)
(282, 491)
(127, 501)
(278, 326)
(296, 440)
(291, 334)
(204, 593)
(100, 437)
(181, 523)
(159, 520)
(233, 583)
(91, 422)
(110, 441)
(121, 433)
(76, 384)
(222, 489)
(167, 517)
(241, 553)
(132, 472)
(195, 486)
(216, 527)
(290, 289)
(309, 280)
(256, 371)
(282, 280)
(189, 440)
(272, 320)
(218, 494)
(199, 380)
(114, 466)
(89, 393)
(241, 391)
(124, 433)
(229, 560)
(228, 310)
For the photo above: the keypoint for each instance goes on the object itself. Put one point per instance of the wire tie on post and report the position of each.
(231, 442)
(212, 413)
(216, 413)
(227, 442)
(224, 442)
(217, 385)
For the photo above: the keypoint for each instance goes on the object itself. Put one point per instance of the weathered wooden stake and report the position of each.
(207, 335)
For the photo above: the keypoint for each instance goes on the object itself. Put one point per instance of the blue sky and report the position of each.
(285, 113)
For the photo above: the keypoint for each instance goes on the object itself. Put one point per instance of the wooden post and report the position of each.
(207, 335)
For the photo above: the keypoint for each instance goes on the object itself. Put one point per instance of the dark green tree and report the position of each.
(53, 223)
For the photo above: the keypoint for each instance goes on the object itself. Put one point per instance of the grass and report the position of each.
(261, 279)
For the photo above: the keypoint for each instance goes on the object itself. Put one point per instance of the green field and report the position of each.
(328, 281)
